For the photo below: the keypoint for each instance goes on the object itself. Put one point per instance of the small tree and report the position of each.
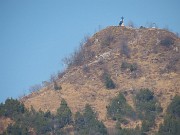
(11, 108)
(147, 108)
(132, 67)
(172, 119)
(88, 124)
(108, 81)
(118, 108)
(174, 107)
(56, 86)
(64, 114)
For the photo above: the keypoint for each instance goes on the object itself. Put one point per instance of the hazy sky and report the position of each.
(36, 34)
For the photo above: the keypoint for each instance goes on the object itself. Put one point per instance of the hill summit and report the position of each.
(116, 60)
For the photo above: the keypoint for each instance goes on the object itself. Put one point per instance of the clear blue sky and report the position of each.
(36, 34)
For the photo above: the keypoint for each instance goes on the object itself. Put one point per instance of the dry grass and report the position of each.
(4, 122)
(80, 88)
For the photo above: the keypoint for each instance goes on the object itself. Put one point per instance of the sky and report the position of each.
(35, 35)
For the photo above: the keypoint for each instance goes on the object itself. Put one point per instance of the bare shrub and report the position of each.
(21, 96)
(108, 39)
(167, 41)
(100, 61)
(61, 74)
(87, 41)
(45, 83)
(177, 34)
(35, 88)
(166, 28)
(79, 56)
(172, 65)
(125, 50)
(56, 86)
(53, 78)
(130, 24)
(85, 68)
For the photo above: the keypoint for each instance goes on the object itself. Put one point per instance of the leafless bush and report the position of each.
(108, 39)
(35, 88)
(130, 24)
(177, 34)
(53, 78)
(125, 50)
(21, 96)
(87, 41)
(45, 83)
(171, 66)
(79, 56)
(166, 28)
(86, 69)
(100, 61)
(61, 74)
(56, 86)
(167, 41)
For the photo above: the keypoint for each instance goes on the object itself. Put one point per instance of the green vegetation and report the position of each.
(174, 108)
(108, 81)
(147, 108)
(64, 114)
(118, 109)
(41, 122)
(87, 123)
(16, 129)
(172, 119)
(11, 108)
(170, 127)
(25, 119)
(27, 122)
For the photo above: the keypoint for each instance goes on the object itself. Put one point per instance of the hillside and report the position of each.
(134, 59)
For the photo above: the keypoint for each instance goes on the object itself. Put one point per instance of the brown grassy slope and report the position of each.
(157, 69)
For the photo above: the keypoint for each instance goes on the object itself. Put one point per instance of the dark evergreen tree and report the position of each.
(16, 129)
(174, 107)
(11, 108)
(118, 108)
(108, 81)
(146, 106)
(88, 124)
(171, 125)
(64, 114)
